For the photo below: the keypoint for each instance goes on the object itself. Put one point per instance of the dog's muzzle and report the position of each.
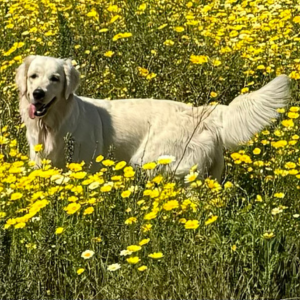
(39, 109)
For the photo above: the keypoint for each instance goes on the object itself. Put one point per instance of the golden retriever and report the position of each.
(140, 130)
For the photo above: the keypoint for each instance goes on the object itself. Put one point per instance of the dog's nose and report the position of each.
(38, 94)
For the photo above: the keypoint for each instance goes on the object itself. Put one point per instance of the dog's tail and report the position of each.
(248, 114)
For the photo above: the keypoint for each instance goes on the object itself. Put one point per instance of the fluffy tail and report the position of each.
(247, 114)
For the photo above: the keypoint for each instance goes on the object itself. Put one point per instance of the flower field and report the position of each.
(126, 233)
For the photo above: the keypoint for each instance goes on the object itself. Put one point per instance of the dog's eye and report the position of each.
(33, 76)
(54, 78)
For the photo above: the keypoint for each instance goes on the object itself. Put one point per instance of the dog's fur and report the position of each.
(140, 130)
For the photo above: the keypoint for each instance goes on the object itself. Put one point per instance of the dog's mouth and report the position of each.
(39, 110)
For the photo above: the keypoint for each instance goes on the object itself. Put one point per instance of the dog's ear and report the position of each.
(72, 78)
(21, 74)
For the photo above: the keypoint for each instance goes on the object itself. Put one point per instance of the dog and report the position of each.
(139, 130)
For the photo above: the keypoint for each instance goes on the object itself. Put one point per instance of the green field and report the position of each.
(121, 234)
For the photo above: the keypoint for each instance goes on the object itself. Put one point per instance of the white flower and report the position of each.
(113, 267)
(125, 252)
(276, 211)
(87, 254)
(191, 177)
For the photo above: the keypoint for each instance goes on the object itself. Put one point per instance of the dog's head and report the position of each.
(44, 80)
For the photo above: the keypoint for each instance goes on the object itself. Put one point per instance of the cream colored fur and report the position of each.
(140, 130)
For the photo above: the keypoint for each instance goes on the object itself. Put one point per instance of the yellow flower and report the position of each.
(198, 59)
(92, 14)
(293, 115)
(191, 224)
(99, 158)
(143, 72)
(150, 76)
(147, 227)
(97, 239)
(114, 19)
(233, 248)
(235, 156)
(296, 19)
(150, 216)
(16, 196)
(165, 159)
(120, 165)
(20, 225)
(134, 248)
(59, 230)
(142, 268)
(288, 123)
(109, 53)
(158, 179)
(216, 62)
(279, 195)
(171, 205)
(279, 144)
(162, 26)
(156, 255)
(75, 167)
(133, 260)
(256, 151)
(144, 242)
(268, 235)
(149, 166)
(121, 36)
(87, 254)
(228, 185)
(213, 94)
(294, 108)
(211, 220)
(106, 188)
(168, 43)
(79, 175)
(142, 7)
(131, 220)
(113, 8)
(125, 194)
(108, 163)
(179, 29)
(244, 90)
(72, 208)
(290, 165)
(88, 210)
(80, 271)
(38, 148)
(258, 198)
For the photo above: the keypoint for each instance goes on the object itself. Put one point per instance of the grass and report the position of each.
(237, 240)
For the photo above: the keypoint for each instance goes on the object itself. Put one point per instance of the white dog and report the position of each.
(140, 130)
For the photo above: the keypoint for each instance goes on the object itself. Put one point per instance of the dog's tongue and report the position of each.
(32, 110)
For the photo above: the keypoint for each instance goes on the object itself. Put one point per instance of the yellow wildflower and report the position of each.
(191, 224)
(133, 260)
(156, 255)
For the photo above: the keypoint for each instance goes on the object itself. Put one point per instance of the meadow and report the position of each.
(121, 233)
